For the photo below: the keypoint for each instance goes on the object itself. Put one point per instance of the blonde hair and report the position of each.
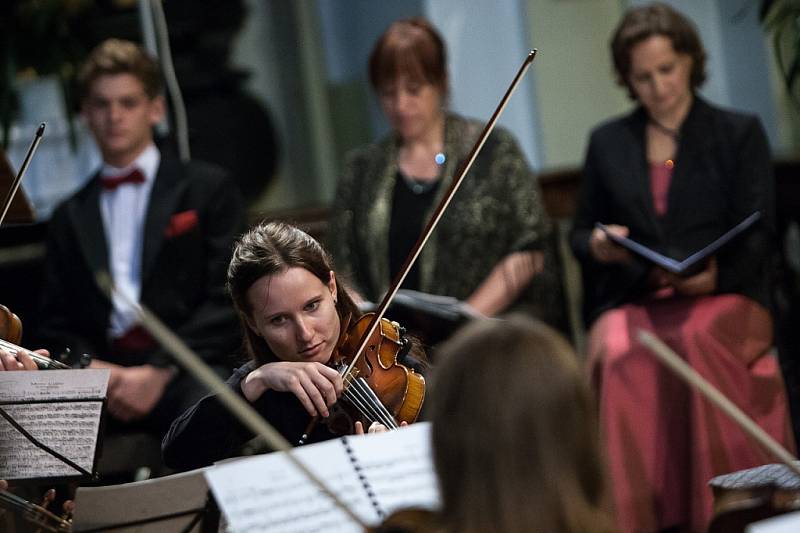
(115, 56)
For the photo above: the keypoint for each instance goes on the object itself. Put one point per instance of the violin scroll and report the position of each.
(10, 325)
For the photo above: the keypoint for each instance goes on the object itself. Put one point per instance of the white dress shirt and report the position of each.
(123, 210)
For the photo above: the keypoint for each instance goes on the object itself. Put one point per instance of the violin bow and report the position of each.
(688, 374)
(12, 191)
(440, 209)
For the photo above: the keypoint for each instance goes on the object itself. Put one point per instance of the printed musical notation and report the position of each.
(373, 474)
(59, 408)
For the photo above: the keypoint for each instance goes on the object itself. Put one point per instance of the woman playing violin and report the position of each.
(293, 313)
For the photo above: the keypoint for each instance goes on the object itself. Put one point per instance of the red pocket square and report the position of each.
(180, 223)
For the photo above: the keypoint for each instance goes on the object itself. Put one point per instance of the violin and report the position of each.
(11, 334)
(411, 520)
(37, 515)
(379, 388)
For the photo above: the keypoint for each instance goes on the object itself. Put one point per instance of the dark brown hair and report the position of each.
(515, 440)
(272, 248)
(641, 23)
(410, 47)
(115, 56)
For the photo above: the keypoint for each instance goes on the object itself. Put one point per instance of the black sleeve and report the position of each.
(604, 285)
(63, 279)
(207, 432)
(740, 264)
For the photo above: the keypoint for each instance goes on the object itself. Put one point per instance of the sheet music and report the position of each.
(786, 523)
(401, 473)
(86, 384)
(268, 493)
(69, 427)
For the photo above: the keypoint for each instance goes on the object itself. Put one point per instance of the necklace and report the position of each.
(420, 186)
(674, 134)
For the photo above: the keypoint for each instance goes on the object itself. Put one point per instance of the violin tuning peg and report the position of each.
(64, 356)
(84, 360)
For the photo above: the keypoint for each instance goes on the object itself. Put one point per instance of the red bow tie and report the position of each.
(134, 176)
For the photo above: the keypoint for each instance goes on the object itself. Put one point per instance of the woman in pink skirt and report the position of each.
(674, 174)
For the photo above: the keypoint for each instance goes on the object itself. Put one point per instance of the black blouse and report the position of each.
(208, 432)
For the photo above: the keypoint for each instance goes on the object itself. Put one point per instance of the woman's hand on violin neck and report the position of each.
(22, 361)
(316, 386)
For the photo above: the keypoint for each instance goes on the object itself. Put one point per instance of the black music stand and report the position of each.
(176, 503)
(430, 318)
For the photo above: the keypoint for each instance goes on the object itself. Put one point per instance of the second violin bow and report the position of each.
(12, 191)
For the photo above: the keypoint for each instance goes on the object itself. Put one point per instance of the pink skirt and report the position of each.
(663, 441)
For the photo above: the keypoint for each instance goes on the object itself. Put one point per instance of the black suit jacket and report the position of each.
(193, 216)
(722, 173)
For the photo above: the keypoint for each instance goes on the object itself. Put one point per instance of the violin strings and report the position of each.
(10, 348)
(32, 511)
(366, 394)
(360, 402)
(371, 410)
(352, 396)
(358, 399)
(361, 395)
(389, 420)
(13, 349)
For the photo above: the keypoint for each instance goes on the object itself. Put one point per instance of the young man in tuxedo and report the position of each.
(161, 228)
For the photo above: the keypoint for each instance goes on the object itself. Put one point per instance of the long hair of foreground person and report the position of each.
(514, 432)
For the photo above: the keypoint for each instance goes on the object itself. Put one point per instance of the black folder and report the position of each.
(692, 264)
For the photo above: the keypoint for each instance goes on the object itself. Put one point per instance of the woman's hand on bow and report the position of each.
(316, 386)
